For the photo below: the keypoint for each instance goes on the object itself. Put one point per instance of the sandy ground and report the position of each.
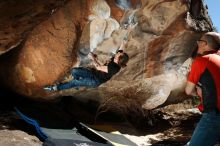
(174, 127)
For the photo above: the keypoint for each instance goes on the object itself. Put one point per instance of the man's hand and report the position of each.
(199, 91)
(92, 56)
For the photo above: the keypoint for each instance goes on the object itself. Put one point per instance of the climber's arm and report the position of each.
(98, 66)
(102, 68)
(122, 45)
(125, 39)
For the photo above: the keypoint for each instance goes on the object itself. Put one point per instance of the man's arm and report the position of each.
(191, 89)
(122, 46)
(102, 68)
(98, 66)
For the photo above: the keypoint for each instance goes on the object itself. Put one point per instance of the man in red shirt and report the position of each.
(204, 81)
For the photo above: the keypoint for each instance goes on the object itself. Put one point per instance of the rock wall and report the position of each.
(18, 18)
(164, 37)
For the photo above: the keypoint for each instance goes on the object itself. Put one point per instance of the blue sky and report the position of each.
(214, 12)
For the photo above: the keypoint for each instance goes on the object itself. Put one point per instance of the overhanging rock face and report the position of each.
(62, 37)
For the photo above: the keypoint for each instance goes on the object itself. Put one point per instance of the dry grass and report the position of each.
(127, 103)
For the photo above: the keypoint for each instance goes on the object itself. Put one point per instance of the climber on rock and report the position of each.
(93, 77)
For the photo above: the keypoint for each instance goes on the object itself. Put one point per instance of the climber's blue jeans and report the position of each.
(207, 132)
(83, 77)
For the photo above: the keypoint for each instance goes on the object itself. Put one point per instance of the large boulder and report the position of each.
(158, 46)
(18, 18)
(48, 52)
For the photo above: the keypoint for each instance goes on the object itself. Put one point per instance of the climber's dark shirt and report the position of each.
(113, 68)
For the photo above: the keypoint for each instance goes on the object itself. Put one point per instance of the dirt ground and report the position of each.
(167, 126)
(176, 130)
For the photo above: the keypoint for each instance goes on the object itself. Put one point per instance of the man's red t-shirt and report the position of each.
(206, 70)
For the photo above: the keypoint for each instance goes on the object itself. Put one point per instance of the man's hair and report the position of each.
(123, 60)
(213, 40)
